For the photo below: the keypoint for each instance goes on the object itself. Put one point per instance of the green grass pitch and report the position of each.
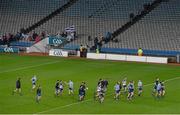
(49, 69)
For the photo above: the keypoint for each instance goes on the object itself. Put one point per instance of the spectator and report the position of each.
(81, 51)
(37, 39)
(34, 35)
(108, 37)
(97, 50)
(43, 34)
(64, 34)
(17, 36)
(131, 16)
(95, 42)
(140, 52)
(1, 40)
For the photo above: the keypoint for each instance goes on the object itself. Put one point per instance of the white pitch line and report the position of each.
(27, 67)
(64, 106)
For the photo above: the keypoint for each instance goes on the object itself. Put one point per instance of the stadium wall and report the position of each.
(145, 52)
(148, 59)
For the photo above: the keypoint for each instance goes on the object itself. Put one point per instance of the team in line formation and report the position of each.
(101, 89)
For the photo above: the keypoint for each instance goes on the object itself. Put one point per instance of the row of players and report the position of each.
(158, 91)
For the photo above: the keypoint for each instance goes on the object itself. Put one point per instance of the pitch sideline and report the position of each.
(64, 106)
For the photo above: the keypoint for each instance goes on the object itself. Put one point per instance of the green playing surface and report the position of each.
(50, 69)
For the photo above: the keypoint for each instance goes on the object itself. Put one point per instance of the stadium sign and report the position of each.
(9, 50)
(56, 41)
(58, 52)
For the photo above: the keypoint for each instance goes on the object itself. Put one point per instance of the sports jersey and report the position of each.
(70, 84)
(18, 84)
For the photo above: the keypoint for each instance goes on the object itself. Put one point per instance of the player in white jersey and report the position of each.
(158, 92)
(71, 87)
(117, 88)
(140, 87)
(100, 93)
(124, 84)
(33, 80)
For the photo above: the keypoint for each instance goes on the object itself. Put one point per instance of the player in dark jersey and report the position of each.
(105, 83)
(18, 87)
(82, 91)
(130, 90)
(57, 90)
(38, 94)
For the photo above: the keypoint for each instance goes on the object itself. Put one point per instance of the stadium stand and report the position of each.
(17, 14)
(158, 30)
(107, 20)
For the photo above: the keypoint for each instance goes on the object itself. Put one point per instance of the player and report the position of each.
(124, 84)
(162, 89)
(101, 94)
(82, 91)
(159, 89)
(105, 83)
(71, 87)
(18, 87)
(33, 79)
(117, 88)
(38, 94)
(61, 87)
(57, 89)
(140, 87)
(130, 90)
(98, 89)
(155, 85)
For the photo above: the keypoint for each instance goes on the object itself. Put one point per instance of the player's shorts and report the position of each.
(101, 95)
(118, 91)
(70, 88)
(140, 88)
(61, 89)
(159, 91)
(33, 83)
(131, 90)
(18, 87)
(57, 90)
(124, 86)
(38, 94)
(82, 94)
(38, 97)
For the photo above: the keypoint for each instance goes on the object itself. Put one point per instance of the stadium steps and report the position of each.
(143, 13)
(50, 16)
(17, 14)
(159, 30)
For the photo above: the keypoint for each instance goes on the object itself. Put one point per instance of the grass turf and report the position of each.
(49, 69)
